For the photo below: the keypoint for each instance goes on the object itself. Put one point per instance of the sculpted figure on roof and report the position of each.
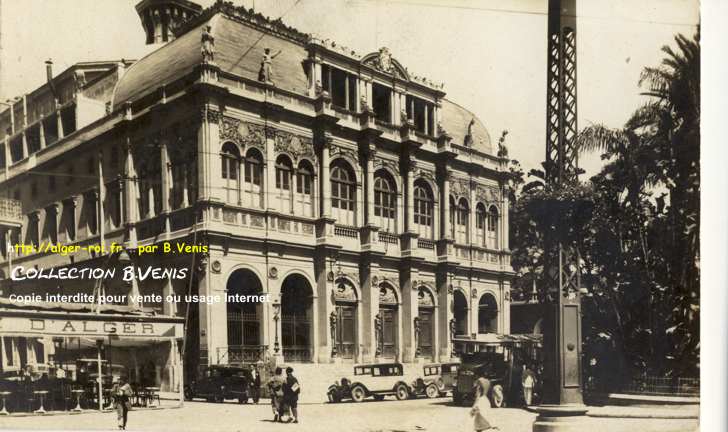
(266, 66)
(208, 45)
(385, 59)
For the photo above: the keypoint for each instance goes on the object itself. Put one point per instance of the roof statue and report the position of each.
(208, 45)
(384, 60)
(266, 66)
(502, 149)
(469, 136)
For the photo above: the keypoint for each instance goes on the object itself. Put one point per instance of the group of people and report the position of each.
(284, 393)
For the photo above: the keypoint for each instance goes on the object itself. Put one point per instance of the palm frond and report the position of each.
(600, 138)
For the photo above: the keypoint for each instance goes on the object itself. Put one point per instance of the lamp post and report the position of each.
(122, 257)
(276, 317)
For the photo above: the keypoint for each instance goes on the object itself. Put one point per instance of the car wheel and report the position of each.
(379, 397)
(358, 393)
(401, 392)
(432, 391)
(188, 394)
(497, 397)
(242, 400)
(333, 395)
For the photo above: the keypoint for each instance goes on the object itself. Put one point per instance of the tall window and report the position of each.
(304, 189)
(461, 221)
(480, 225)
(230, 159)
(341, 87)
(284, 171)
(254, 178)
(382, 102)
(343, 193)
(487, 314)
(493, 228)
(385, 202)
(423, 209)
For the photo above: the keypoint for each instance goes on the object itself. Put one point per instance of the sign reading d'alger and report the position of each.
(89, 328)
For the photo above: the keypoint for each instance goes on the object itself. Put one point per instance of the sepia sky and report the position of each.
(491, 54)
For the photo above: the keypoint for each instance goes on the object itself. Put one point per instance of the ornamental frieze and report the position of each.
(383, 163)
(242, 133)
(387, 296)
(487, 194)
(460, 187)
(344, 291)
(294, 145)
(427, 175)
(424, 298)
(337, 151)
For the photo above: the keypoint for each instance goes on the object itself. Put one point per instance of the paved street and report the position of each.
(389, 415)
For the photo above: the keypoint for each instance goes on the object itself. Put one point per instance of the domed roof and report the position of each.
(456, 120)
(236, 52)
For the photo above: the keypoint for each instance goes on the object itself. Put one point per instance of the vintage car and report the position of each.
(372, 380)
(504, 362)
(437, 380)
(220, 382)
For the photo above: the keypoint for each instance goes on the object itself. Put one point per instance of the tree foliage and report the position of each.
(637, 226)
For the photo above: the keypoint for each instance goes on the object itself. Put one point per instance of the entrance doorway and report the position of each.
(296, 318)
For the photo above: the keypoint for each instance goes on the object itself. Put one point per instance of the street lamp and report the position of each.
(276, 317)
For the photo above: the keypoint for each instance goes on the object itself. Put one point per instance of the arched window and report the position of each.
(461, 221)
(230, 159)
(424, 203)
(492, 228)
(343, 193)
(304, 188)
(487, 314)
(254, 178)
(284, 172)
(480, 225)
(385, 202)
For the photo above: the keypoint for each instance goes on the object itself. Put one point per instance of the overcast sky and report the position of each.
(491, 54)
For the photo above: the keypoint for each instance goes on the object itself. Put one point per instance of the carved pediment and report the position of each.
(242, 133)
(294, 145)
(460, 187)
(382, 61)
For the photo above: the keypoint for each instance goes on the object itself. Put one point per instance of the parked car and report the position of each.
(220, 382)
(436, 381)
(505, 363)
(372, 380)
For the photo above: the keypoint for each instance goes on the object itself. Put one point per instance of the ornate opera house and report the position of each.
(368, 205)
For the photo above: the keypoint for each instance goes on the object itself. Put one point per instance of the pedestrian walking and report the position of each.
(481, 406)
(291, 390)
(275, 388)
(255, 383)
(121, 393)
(528, 381)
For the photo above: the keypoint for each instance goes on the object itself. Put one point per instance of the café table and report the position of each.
(40, 394)
(152, 393)
(4, 395)
(78, 393)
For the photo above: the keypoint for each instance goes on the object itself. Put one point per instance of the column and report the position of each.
(8, 155)
(26, 153)
(370, 187)
(312, 77)
(436, 118)
(409, 196)
(471, 214)
(59, 121)
(396, 103)
(294, 182)
(370, 97)
(325, 179)
(164, 174)
(41, 133)
(270, 170)
(503, 222)
(208, 144)
(427, 118)
(445, 206)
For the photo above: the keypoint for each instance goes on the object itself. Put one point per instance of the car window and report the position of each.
(377, 372)
(358, 371)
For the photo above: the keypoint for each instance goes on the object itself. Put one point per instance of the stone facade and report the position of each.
(366, 204)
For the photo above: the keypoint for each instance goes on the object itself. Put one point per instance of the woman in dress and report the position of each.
(275, 388)
(481, 406)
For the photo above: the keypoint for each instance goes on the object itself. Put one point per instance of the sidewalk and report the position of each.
(690, 412)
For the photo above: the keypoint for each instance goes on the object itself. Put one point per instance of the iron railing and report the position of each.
(664, 386)
(236, 354)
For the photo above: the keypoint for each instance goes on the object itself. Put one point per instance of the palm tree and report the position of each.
(660, 147)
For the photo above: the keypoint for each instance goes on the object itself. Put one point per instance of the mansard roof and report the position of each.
(239, 44)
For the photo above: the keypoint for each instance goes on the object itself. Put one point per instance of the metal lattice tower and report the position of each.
(562, 336)
(561, 152)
